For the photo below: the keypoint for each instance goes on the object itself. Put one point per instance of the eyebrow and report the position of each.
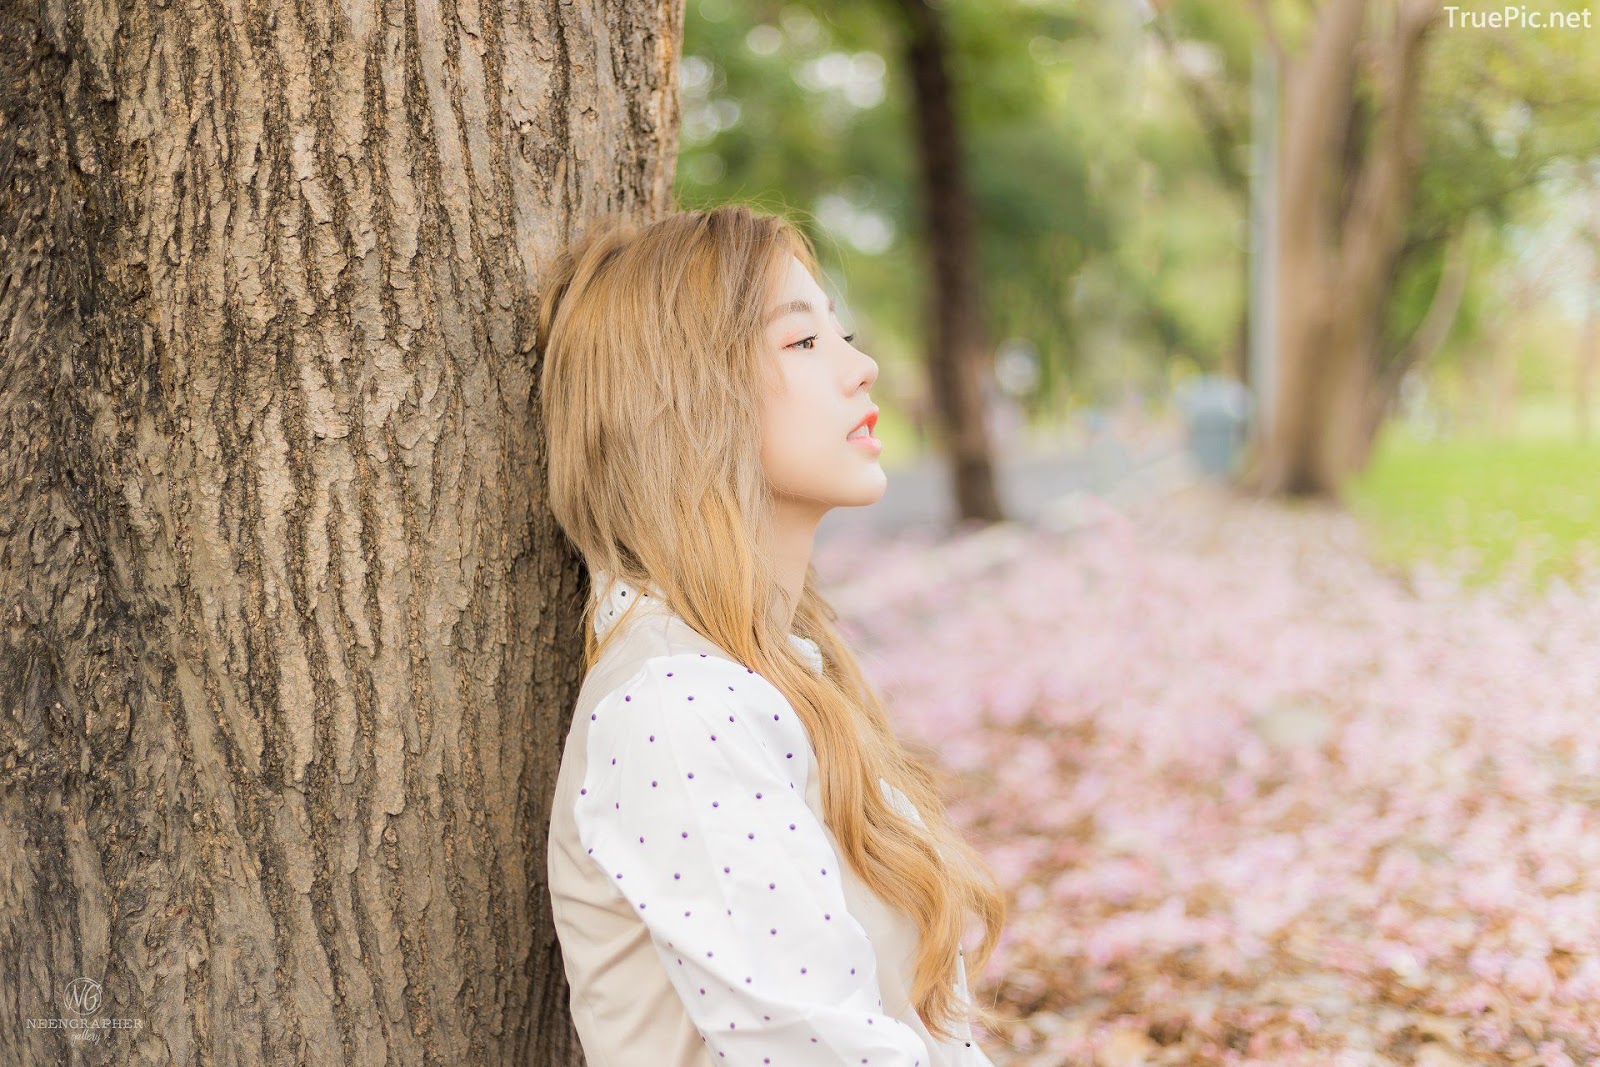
(802, 306)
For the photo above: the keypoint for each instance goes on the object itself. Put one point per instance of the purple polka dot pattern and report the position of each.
(681, 740)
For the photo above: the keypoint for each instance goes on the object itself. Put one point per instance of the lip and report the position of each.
(867, 443)
(869, 420)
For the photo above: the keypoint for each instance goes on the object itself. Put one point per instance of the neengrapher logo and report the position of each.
(83, 996)
(81, 1019)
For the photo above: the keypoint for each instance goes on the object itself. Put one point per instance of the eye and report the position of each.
(809, 342)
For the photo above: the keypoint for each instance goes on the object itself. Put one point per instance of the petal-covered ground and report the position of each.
(1254, 799)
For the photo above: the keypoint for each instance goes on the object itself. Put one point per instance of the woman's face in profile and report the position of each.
(821, 395)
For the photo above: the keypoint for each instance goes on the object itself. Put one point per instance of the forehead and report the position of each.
(797, 293)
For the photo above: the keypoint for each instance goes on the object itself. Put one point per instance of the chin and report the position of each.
(870, 493)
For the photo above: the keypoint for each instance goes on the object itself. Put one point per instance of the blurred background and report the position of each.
(1383, 227)
(1238, 565)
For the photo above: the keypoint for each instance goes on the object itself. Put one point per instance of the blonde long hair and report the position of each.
(654, 346)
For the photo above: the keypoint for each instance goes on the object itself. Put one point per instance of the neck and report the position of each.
(794, 535)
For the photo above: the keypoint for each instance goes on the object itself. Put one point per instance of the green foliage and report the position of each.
(1502, 111)
(1056, 145)
(1109, 160)
(1528, 504)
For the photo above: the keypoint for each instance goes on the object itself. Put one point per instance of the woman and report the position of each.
(745, 865)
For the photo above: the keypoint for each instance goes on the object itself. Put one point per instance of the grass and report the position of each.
(1525, 505)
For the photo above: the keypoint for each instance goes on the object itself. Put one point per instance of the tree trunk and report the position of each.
(1343, 221)
(1504, 380)
(1588, 361)
(1428, 339)
(958, 350)
(291, 639)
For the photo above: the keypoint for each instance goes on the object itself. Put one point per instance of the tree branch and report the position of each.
(1220, 131)
(1382, 185)
(1314, 117)
(1270, 31)
(1435, 327)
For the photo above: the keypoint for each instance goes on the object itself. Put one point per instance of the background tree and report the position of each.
(290, 637)
(1588, 358)
(814, 107)
(959, 353)
(1108, 158)
(1344, 192)
(1441, 140)
(1208, 49)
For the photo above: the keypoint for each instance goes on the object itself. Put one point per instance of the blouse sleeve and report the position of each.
(695, 809)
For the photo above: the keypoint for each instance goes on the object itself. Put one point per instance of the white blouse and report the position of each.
(694, 804)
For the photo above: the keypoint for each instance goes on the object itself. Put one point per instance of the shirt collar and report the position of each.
(616, 595)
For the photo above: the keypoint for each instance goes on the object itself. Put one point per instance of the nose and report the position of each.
(868, 371)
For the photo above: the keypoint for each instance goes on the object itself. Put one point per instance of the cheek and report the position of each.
(781, 436)
(794, 431)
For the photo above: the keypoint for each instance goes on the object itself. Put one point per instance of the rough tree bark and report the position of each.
(958, 348)
(1342, 226)
(290, 637)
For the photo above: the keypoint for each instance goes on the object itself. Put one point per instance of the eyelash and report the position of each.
(813, 337)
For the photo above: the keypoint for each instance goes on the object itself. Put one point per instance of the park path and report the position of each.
(1032, 479)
